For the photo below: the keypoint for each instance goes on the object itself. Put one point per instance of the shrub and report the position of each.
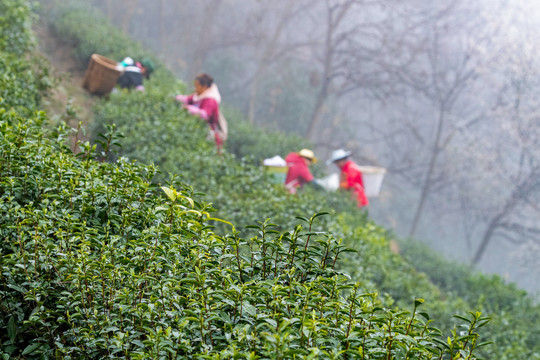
(15, 22)
(23, 80)
(157, 131)
(95, 263)
(98, 261)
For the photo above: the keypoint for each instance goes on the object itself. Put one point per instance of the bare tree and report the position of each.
(497, 182)
(517, 112)
(203, 45)
(130, 8)
(443, 76)
(335, 36)
(362, 41)
(270, 48)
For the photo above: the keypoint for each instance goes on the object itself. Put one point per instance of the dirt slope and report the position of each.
(68, 101)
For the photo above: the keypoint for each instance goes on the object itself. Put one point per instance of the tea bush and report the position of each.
(98, 261)
(15, 27)
(515, 315)
(95, 263)
(257, 143)
(22, 81)
(88, 37)
(157, 131)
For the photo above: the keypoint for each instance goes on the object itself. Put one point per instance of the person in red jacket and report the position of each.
(298, 173)
(204, 103)
(351, 176)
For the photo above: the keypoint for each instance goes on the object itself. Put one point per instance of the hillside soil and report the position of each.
(67, 101)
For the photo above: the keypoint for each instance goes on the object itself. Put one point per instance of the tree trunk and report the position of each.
(487, 238)
(334, 17)
(109, 10)
(129, 10)
(264, 63)
(431, 169)
(521, 192)
(205, 36)
(316, 116)
(162, 30)
(327, 73)
(253, 97)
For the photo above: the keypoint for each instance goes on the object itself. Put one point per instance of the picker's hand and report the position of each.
(182, 98)
(318, 184)
(194, 110)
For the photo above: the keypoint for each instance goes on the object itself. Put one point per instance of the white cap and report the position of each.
(128, 61)
(338, 154)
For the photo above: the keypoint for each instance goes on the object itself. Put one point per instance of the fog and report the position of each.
(444, 94)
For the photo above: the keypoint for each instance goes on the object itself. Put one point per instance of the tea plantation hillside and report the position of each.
(157, 131)
(104, 257)
(100, 262)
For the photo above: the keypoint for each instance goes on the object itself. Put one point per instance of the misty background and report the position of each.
(442, 94)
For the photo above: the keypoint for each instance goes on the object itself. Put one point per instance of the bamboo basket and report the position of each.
(101, 75)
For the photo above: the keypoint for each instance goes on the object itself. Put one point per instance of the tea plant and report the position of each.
(15, 23)
(99, 261)
(88, 37)
(95, 263)
(23, 81)
(157, 131)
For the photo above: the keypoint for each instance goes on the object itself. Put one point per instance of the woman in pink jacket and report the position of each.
(204, 103)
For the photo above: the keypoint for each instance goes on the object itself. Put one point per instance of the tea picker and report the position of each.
(298, 173)
(134, 72)
(103, 74)
(350, 175)
(204, 103)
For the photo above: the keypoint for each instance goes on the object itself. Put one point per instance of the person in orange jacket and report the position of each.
(350, 177)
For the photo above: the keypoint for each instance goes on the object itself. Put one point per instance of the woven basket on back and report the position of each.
(101, 75)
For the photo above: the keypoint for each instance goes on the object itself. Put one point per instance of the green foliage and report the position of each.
(90, 37)
(15, 22)
(22, 80)
(95, 263)
(515, 316)
(157, 131)
(98, 260)
(258, 143)
(85, 27)
(20, 84)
